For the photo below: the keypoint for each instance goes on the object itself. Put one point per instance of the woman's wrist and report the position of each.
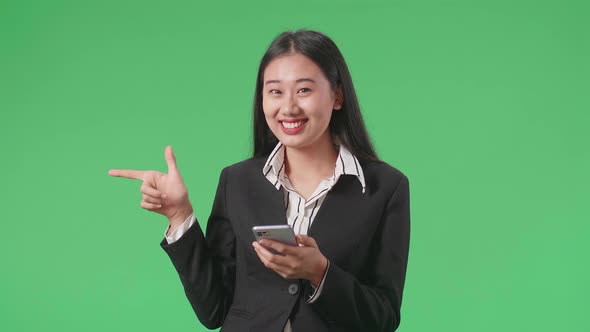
(319, 273)
(180, 217)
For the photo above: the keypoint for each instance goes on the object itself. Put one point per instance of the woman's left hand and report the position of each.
(302, 262)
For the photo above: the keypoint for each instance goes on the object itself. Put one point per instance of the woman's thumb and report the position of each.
(170, 160)
(306, 240)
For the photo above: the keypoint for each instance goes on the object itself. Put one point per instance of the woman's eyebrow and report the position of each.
(297, 81)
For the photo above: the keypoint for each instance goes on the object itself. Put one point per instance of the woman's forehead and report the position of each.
(291, 68)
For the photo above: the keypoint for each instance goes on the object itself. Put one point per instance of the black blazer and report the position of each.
(364, 235)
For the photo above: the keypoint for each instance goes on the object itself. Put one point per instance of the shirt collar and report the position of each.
(346, 164)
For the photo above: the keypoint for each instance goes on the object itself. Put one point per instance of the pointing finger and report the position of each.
(127, 173)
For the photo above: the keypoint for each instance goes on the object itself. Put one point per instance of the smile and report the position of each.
(292, 125)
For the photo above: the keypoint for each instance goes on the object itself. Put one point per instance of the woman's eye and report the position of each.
(274, 91)
(304, 90)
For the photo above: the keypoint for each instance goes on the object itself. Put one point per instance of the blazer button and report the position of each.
(293, 289)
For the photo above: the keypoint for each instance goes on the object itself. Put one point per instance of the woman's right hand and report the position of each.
(162, 193)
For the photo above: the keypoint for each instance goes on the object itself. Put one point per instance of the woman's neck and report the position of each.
(315, 161)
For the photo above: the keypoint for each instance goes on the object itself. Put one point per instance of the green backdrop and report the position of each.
(483, 104)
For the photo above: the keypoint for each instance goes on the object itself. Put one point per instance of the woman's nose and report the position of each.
(290, 106)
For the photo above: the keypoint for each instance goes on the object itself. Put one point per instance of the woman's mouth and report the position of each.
(292, 127)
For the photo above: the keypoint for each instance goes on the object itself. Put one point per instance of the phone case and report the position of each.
(281, 233)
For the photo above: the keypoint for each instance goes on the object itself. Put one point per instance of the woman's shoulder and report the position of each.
(380, 174)
(381, 168)
(253, 165)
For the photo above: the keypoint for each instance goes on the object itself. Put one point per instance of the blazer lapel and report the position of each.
(344, 197)
(273, 205)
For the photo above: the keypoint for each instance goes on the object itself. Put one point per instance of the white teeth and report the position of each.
(292, 125)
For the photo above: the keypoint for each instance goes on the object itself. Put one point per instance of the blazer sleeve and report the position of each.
(375, 303)
(206, 265)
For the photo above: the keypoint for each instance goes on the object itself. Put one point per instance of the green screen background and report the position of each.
(482, 104)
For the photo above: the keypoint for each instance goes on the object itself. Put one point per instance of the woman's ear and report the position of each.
(339, 98)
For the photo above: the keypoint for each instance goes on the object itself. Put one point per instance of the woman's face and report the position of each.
(298, 100)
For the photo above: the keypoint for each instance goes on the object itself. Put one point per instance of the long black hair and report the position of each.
(346, 124)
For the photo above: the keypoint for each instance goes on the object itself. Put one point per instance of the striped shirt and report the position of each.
(301, 211)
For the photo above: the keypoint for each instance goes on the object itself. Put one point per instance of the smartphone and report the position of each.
(281, 233)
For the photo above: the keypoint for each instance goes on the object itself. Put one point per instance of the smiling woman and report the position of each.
(298, 96)
(315, 169)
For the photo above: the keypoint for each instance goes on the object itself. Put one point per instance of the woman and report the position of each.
(315, 169)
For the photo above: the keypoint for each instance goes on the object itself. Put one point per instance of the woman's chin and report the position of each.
(294, 142)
